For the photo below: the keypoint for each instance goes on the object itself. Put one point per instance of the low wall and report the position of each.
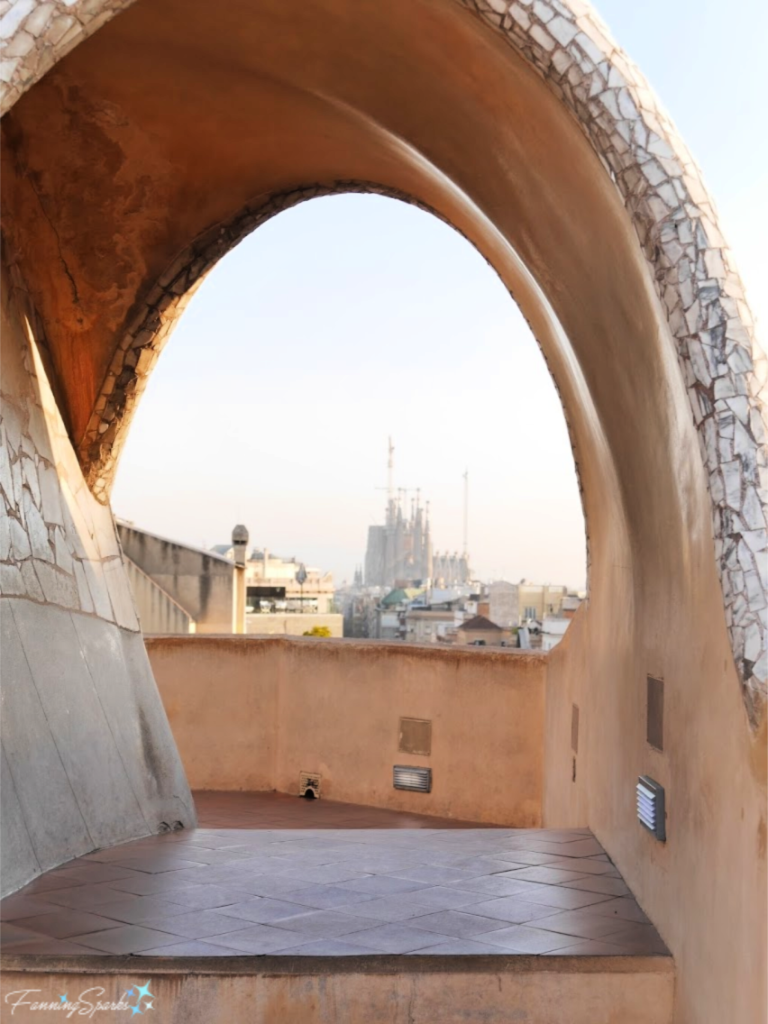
(373, 989)
(252, 713)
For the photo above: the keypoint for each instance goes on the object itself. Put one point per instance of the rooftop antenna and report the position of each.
(466, 513)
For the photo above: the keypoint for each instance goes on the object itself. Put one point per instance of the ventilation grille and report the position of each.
(409, 777)
(651, 812)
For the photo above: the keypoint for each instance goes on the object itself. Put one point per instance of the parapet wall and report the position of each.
(252, 713)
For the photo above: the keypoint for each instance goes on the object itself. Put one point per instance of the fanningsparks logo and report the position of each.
(90, 1002)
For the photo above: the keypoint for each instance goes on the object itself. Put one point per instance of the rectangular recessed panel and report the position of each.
(651, 806)
(415, 736)
(575, 728)
(655, 713)
(409, 777)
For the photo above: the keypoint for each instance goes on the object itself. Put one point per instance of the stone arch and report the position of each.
(524, 126)
(691, 267)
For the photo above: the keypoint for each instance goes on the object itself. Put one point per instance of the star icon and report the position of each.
(149, 1006)
(135, 1010)
(62, 999)
(143, 990)
(129, 992)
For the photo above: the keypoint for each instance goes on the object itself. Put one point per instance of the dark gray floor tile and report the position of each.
(455, 923)
(587, 947)
(137, 910)
(129, 939)
(192, 947)
(492, 885)
(327, 897)
(599, 883)
(435, 874)
(520, 938)
(206, 897)
(327, 947)
(624, 907)
(197, 924)
(544, 875)
(256, 940)
(324, 924)
(383, 885)
(392, 938)
(559, 896)
(582, 924)
(512, 910)
(263, 910)
(389, 908)
(458, 947)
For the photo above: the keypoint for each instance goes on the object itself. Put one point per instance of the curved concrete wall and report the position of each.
(185, 123)
(88, 759)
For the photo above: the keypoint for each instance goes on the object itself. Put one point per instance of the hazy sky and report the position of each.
(354, 317)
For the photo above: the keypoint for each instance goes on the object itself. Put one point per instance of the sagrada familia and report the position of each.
(399, 553)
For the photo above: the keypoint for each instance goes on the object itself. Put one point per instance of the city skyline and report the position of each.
(448, 368)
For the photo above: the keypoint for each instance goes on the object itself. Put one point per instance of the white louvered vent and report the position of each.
(409, 777)
(651, 811)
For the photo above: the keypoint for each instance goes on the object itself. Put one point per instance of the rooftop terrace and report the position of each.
(276, 875)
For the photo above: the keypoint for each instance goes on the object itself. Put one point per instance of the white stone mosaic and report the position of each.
(58, 544)
(694, 273)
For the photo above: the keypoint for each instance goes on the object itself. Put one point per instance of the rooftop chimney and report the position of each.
(240, 544)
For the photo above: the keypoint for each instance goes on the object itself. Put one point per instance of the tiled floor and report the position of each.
(275, 875)
(278, 810)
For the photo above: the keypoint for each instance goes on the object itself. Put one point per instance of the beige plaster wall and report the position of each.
(705, 887)
(251, 714)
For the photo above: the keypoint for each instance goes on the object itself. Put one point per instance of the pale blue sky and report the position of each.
(354, 317)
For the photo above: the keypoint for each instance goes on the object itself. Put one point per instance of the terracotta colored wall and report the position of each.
(520, 990)
(252, 713)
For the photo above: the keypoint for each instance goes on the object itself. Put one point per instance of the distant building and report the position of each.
(450, 570)
(482, 632)
(391, 612)
(400, 551)
(537, 600)
(359, 611)
(434, 616)
(503, 604)
(273, 584)
(285, 597)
